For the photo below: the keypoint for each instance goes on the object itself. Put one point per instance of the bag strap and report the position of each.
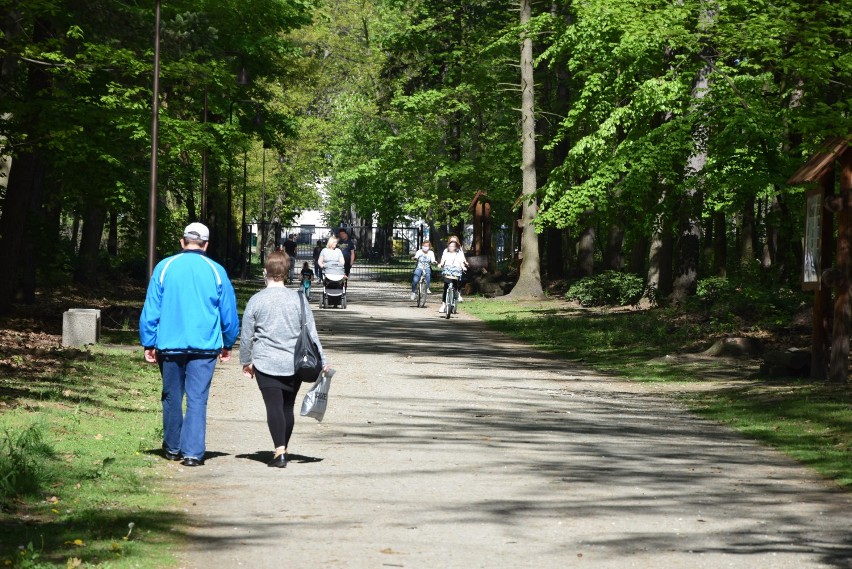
(302, 320)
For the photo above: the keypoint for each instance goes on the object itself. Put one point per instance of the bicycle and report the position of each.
(421, 291)
(451, 298)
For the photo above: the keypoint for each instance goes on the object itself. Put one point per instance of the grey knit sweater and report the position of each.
(270, 328)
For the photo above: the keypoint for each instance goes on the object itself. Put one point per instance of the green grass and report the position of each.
(610, 341)
(244, 291)
(811, 422)
(97, 471)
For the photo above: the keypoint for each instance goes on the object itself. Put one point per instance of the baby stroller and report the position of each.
(333, 291)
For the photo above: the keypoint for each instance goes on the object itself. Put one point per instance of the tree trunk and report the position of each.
(569, 246)
(26, 175)
(638, 255)
(838, 369)
(660, 258)
(555, 255)
(112, 236)
(788, 248)
(75, 233)
(747, 233)
(529, 280)
(720, 244)
(94, 218)
(388, 252)
(771, 252)
(689, 243)
(707, 247)
(39, 241)
(613, 255)
(586, 252)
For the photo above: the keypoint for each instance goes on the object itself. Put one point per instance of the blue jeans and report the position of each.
(190, 375)
(417, 272)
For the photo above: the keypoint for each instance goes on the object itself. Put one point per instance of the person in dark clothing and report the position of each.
(290, 247)
(317, 251)
(346, 245)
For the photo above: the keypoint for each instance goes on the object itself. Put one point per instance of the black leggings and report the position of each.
(279, 408)
(447, 282)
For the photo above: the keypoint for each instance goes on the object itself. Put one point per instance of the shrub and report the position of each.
(610, 288)
(713, 289)
(732, 299)
(22, 462)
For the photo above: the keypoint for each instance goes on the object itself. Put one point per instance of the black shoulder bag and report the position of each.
(307, 361)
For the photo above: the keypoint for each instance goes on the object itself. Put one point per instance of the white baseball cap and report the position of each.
(197, 231)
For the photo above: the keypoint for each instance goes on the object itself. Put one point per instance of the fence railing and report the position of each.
(380, 253)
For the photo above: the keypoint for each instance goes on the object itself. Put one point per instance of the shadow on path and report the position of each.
(449, 445)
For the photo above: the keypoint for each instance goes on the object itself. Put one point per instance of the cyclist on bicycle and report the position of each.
(425, 258)
(453, 264)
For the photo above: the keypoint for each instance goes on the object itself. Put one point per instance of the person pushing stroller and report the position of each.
(332, 264)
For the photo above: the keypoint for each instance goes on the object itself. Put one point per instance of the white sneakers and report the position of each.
(413, 296)
(443, 307)
(459, 297)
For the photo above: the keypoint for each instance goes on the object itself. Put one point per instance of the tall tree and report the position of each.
(529, 278)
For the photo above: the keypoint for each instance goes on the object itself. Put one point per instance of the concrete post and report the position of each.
(81, 326)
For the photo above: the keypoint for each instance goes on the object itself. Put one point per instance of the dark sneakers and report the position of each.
(169, 454)
(187, 460)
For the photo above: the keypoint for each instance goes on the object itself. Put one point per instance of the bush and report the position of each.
(22, 462)
(610, 288)
(732, 299)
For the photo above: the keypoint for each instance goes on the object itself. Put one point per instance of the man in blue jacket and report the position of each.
(188, 320)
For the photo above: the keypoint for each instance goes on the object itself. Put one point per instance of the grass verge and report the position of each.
(84, 427)
(811, 422)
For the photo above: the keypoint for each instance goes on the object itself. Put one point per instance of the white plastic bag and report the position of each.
(316, 399)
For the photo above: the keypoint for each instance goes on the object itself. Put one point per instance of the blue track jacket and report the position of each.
(190, 306)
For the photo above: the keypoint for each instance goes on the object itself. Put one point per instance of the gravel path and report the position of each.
(447, 445)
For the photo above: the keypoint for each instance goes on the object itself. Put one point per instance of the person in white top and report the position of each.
(330, 259)
(453, 264)
(425, 258)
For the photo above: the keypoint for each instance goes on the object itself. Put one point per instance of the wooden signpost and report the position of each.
(818, 274)
(481, 208)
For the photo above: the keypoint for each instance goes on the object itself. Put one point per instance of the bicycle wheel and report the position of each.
(449, 301)
(421, 293)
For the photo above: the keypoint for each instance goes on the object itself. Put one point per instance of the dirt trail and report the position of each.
(447, 445)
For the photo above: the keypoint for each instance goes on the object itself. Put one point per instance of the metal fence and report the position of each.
(381, 254)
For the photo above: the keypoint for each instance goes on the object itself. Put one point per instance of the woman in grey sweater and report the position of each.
(269, 331)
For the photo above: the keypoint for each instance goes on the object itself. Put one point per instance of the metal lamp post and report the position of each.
(155, 127)
(263, 210)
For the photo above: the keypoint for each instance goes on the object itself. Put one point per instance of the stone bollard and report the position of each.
(81, 326)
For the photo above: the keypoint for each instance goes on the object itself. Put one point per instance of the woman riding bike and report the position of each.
(453, 264)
